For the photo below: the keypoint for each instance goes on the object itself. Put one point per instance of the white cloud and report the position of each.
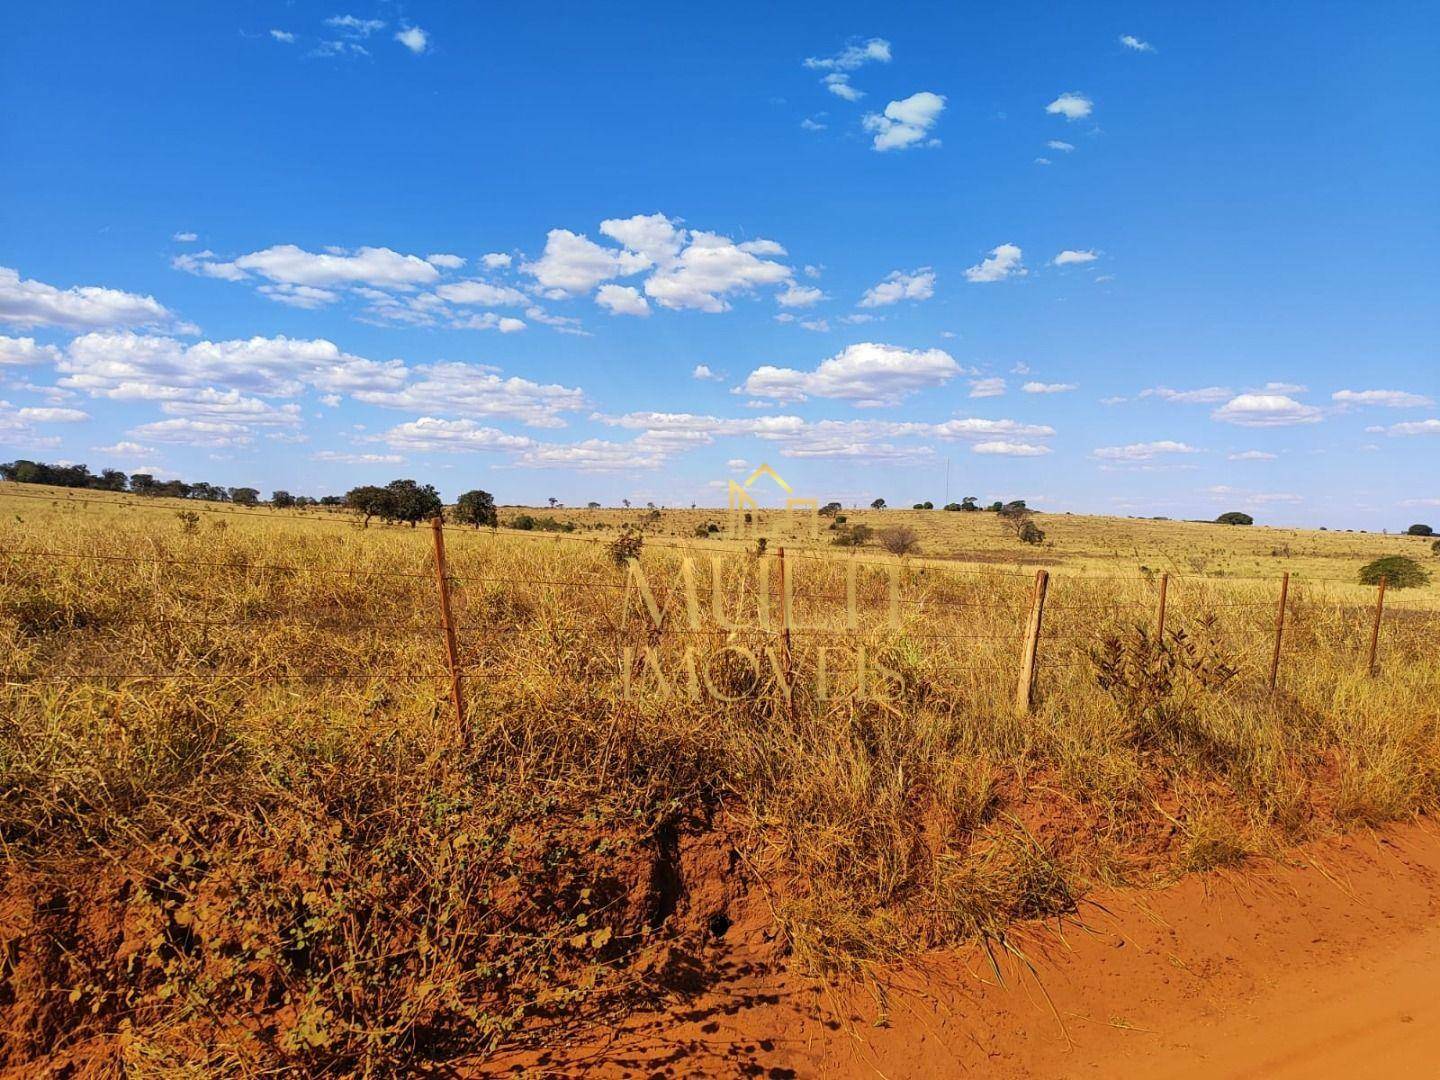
(214, 433)
(1048, 388)
(703, 372)
(1266, 410)
(1390, 399)
(488, 320)
(433, 433)
(1072, 106)
(905, 122)
(795, 295)
(810, 124)
(1414, 427)
(131, 366)
(184, 237)
(975, 428)
(53, 416)
(1206, 395)
(867, 374)
(838, 83)
(496, 260)
(1252, 455)
(381, 267)
(307, 297)
(414, 39)
(819, 326)
(481, 294)
(1010, 449)
(711, 267)
(30, 303)
(1003, 262)
(17, 351)
(1139, 452)
(1073, 258)
(916, 285)
(342, 458)
(475, 390)
(284, 36)
(130, 449)
(1130, 41)
(622, 300)
(990, 387)
(445, 262)
(355, 27)
(875, 50)
(1061, 145)
(1043, 161)
(572, 264)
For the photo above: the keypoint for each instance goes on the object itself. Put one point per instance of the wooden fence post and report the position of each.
(1370, 668)
(787, 617)
(452, 656)
(1160, 615)
(1025, 689)
(1279, 628)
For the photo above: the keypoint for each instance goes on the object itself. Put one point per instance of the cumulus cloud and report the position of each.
(905, 122)
(185, 432)
(283, 36)
(796, 295)
(1061, 145)
(496, 260)
(481, 294)
(1412, 427)
(1003, 261)
(993, 386)
(622, 300)
(916, 285)
(1073, 258)
(1006, 448)
(1252, 455)
(53, 416)
(1205, 395)
(445, 262)
(342, 458)
(477, 390)
(1130, 41)
(874, 50)
(1390, 399)
(1048, 388)
(838, 83)
(572, 264)
(1266, 410)
(414, 39)
(21, 351)
(28, 303)
(867, 374)
(703, 373)
(352, 26)
(1072, 106)
(1144, 451)
(291, 265)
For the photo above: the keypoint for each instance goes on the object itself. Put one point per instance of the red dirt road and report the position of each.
(1329, 967)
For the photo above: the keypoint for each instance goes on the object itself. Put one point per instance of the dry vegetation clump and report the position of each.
(255, 843)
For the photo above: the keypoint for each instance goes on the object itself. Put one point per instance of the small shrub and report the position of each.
(1399, 572)
(1030, 533)
(626, 546)
(189, 520)
(852, 536)
(899, 540)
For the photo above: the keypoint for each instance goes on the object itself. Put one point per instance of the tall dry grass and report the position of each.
(256, 841)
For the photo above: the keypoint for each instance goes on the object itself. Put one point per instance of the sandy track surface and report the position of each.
(1326, 967)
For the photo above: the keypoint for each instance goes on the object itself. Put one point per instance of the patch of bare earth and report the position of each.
(1325, 966)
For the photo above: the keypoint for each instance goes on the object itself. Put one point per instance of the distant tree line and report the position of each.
(24, 471)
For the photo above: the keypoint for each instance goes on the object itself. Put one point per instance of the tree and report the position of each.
(142, 483)
(413, 502)
(899, 540)
(830, 509)
(111, 480)
(625, 503)
(370, 501)
(996, 507)
(968, 503)
(476, 508)
(592, 505)
(282, 500)
(1234, 517)
(240, 496)
(553, 500)
(1030, 533)
(1016, 506)
(1420, 530)
(1399, 572)
(878, 504)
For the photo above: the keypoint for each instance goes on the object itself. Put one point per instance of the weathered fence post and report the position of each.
(787, 617)
(1370, 668)
(1279, 628)
(1160, 615)
(1025, 689)
(452, 656)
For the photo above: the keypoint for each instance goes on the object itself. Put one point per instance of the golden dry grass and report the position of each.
(256, 842)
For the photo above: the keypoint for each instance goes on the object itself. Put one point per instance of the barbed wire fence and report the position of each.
(1035, 602)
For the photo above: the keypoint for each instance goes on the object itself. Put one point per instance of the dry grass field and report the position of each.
(240, 831)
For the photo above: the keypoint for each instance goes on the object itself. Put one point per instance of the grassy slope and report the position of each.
(244, 862)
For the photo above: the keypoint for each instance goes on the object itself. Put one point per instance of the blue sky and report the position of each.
(1114, 259)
